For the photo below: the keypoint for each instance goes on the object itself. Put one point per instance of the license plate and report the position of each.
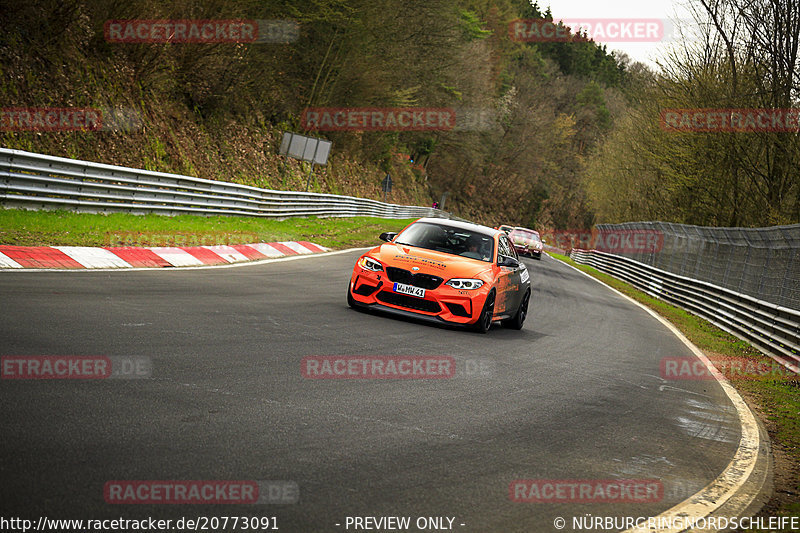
(409, 289)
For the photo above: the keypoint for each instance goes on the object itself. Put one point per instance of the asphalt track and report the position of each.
(577, 394)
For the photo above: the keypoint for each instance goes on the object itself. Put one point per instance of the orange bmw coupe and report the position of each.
(444, 271)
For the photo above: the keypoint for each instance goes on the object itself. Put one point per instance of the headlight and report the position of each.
(368, 263)
(465, 284)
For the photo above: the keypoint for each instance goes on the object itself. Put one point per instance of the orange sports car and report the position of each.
(444, 271)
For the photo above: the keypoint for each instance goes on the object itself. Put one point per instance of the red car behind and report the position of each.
(527, 242)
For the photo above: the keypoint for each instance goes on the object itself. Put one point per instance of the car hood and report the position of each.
(524, 241)
(440, 264)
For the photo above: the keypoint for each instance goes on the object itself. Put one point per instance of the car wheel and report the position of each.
(350, 300)
(518, 320)
(484, 322)
(539, 257)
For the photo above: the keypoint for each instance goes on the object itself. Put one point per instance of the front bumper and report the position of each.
(524, 250)
(442, 304)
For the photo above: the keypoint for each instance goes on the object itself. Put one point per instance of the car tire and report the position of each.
(518, 319)
(484, 323)
(539, 257)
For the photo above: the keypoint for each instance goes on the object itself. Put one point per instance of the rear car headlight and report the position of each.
(368, 263)
(465, 284)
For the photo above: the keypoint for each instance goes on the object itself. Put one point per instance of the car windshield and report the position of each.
(519, 235)
(449, 240)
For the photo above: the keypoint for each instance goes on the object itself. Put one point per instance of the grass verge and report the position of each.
(773, 396)
(64, 228)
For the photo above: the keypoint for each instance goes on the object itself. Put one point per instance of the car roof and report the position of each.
(460, 225)
(527, 229)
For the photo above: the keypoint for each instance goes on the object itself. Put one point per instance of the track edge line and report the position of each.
(754, 447)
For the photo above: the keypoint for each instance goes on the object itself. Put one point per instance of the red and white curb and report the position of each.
(153, 257)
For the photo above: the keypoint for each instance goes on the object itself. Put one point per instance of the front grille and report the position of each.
(408, 302)
(457, 309)
(423, 281)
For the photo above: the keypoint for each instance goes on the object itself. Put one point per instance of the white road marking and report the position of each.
(741, 466)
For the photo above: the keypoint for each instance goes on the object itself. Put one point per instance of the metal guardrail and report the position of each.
(35, 181)
(773, 329)
(761, 262)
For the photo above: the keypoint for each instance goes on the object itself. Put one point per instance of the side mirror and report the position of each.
(388, 236)
(506, 261)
